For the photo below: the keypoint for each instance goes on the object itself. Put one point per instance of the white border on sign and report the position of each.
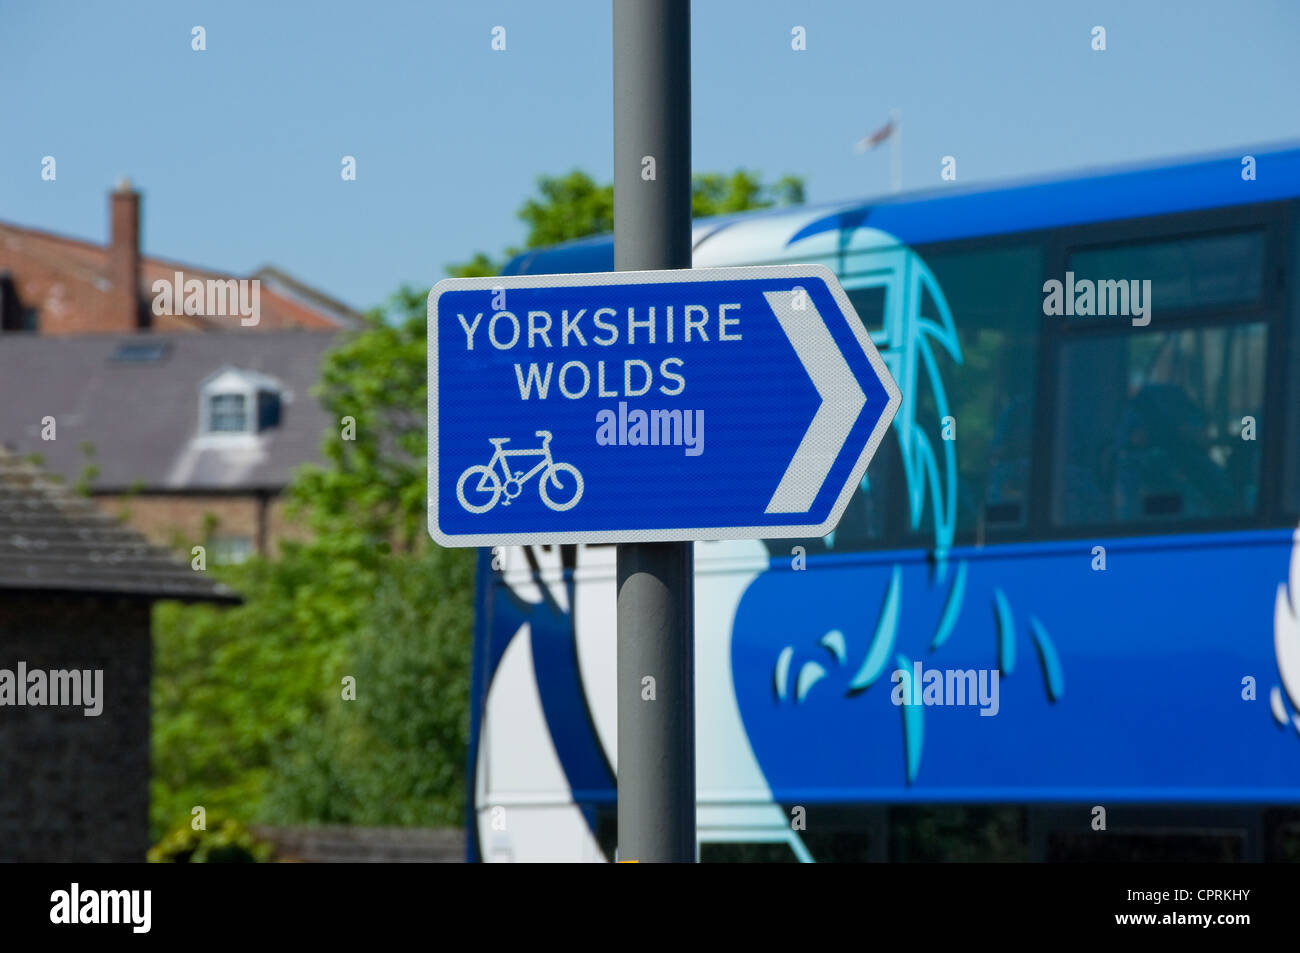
(675, 534)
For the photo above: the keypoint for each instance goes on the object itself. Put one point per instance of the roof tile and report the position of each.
(52, 539)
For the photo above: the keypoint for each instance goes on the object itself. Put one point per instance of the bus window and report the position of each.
(1151, 425)
(869, 303)
(996, 304)
(1192, 272)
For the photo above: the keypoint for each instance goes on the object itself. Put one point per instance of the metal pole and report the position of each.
(896, 151)
(656, 596)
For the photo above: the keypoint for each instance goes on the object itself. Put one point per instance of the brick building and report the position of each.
(105, 370)
(53, 285)
(75, 595)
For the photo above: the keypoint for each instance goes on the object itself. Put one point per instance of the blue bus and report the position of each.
(1069, 584)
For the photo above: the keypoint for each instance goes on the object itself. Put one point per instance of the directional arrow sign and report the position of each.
(715, 403)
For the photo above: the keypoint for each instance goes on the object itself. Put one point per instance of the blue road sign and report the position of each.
(716, 403)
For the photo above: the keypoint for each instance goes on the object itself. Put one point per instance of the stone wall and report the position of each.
(75, 787)
(342, 844)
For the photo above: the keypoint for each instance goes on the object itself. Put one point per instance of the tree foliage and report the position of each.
(570, 206)
(716, 194)
(396, 754)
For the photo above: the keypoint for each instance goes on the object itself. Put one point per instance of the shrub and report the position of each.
(226, 842)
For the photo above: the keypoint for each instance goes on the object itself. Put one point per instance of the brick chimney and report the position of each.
(123, 312)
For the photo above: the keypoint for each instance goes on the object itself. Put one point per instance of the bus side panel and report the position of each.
(1131, 683)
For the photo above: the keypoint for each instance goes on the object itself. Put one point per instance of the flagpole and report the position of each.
(896, 150)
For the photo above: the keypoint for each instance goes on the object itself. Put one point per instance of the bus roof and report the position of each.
(953, 212)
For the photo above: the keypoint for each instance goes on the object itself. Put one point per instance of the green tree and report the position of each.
(716, 194)
(477, 266)
(570, 206)
(232, 687)
(394, 755)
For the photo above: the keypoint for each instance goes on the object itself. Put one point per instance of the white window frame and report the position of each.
(236, 381)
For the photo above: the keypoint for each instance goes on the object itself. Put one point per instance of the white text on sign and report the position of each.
(603, 327)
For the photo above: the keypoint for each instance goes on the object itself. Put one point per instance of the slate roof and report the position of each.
(52, 539)
(142, 416)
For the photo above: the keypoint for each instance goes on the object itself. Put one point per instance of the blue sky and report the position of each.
(237, 149)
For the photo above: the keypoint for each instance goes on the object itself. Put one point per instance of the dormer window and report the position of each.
(226, 413)
(237, 401)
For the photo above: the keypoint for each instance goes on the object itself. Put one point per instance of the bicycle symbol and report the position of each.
(491, 485)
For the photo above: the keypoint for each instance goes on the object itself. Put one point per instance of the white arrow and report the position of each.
(842, 402)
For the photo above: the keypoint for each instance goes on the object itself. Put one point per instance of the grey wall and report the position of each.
(74, 787)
